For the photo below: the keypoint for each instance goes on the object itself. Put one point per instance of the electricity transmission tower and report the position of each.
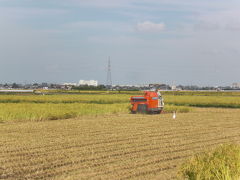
(109, 75)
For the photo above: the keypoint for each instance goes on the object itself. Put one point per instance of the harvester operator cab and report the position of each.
(160, 101)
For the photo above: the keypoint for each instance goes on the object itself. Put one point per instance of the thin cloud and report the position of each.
(23, 12)
(149, 26)
(221, 20)
(101, 26)
(131, 3)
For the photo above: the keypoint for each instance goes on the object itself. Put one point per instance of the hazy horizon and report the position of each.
(149, 41)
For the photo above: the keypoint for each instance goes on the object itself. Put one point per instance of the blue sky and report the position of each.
(149, 41)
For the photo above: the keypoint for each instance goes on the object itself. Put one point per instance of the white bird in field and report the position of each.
(174, 115)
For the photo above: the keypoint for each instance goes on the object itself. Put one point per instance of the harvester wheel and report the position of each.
(160, 111)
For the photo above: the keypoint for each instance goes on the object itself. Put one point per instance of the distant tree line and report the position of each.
(86, 87)
(114, 88)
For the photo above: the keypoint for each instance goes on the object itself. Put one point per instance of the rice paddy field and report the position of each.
(93, 135)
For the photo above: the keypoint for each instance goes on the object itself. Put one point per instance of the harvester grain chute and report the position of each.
(151, 102)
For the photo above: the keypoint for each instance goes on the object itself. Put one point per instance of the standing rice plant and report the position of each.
(222, 163)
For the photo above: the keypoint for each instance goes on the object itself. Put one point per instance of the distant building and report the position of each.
(70, 84)
(88, 83)
(174, 87)
(159, 86)
(236, 85)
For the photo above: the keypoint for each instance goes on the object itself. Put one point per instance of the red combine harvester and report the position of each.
(150, 102)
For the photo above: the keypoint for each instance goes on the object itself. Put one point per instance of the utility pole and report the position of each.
(109, 75)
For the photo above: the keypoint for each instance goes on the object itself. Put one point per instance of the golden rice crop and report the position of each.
(63, 106)
(48, 111)
(181, 109)
(204, 101)
(220, 163)
(67, 98)
(180, 100)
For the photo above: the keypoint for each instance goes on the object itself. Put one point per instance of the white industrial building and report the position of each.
(236, 85)
(89, 83)
(70, 84)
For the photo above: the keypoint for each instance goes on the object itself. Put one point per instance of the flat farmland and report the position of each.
(112, 146)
